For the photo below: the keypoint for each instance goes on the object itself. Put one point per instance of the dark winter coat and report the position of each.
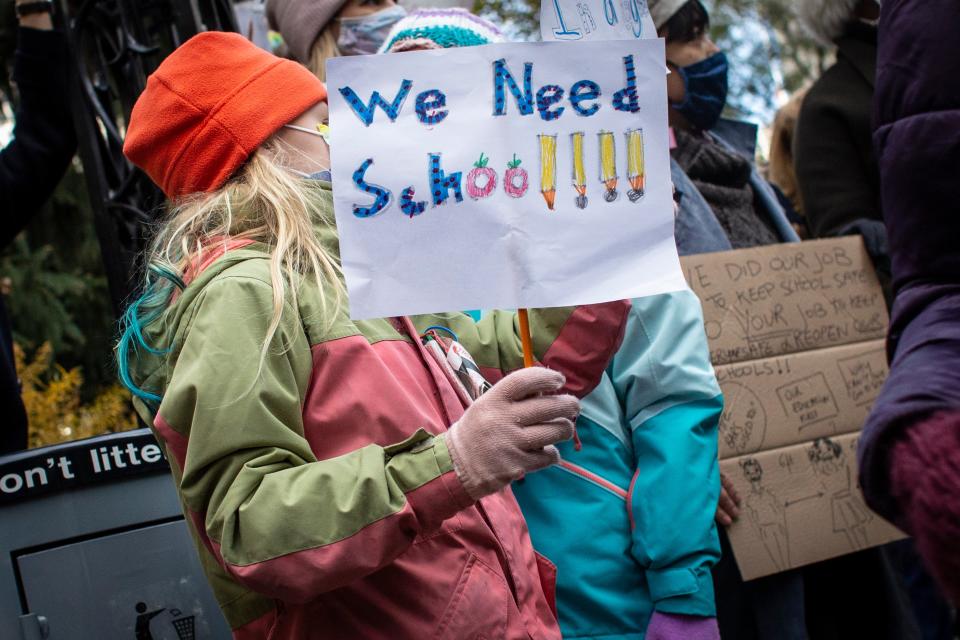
(833, 150)
(30, 168)
(918, 148)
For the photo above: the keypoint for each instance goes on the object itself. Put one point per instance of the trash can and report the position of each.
(94, 546)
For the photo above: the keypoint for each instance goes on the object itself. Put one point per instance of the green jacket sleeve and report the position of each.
(576, 341)
(672, 404)
(278, 520)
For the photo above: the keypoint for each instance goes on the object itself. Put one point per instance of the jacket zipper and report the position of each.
(633, 484)
(593, 478)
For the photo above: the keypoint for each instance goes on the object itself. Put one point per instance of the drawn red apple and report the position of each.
(482, 180)
(515, 180)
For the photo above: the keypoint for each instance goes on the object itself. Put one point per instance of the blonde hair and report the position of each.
(324, 48)
(264, 203)
(782, 170)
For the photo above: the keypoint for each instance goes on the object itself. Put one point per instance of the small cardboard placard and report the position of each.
(796, 335)
(799, 505)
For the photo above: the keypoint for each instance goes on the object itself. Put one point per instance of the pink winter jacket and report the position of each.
(321, 491)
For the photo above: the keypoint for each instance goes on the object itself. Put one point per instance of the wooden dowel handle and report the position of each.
(525, 338)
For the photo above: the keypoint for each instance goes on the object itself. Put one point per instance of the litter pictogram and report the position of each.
(183, 625)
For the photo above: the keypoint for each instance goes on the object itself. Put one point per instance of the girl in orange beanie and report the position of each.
(340, 480)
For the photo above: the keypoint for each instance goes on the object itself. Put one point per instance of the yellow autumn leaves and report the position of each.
(55, 413)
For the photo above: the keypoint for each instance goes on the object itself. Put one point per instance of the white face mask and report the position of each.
(321, 131)
(364, 35)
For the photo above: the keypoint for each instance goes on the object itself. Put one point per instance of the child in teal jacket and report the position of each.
(628, 516)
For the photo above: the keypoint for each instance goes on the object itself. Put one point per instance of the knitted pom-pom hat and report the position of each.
(208, 106)
(440, 29)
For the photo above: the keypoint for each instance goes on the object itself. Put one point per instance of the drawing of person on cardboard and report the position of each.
(850, 515)
(767, 514)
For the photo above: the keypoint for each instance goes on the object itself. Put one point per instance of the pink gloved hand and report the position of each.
(671, 626)
(510, 431)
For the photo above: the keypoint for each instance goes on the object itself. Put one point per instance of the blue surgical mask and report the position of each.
(364, 35)
(706, 91)
(317, 175)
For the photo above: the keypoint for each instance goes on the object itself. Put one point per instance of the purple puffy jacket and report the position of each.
(917, 141)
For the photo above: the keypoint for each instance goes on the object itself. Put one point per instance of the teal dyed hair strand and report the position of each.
(161, 283)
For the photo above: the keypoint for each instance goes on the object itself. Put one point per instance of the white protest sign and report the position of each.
(502, 176)
(595, 20)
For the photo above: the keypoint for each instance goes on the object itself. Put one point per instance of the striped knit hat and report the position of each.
(440, 29)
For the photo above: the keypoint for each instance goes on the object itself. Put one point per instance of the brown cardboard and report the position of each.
(801, 504)
(780, 299)
(777, 402)
(796, 338)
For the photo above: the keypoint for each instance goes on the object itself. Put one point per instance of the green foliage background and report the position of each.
(58, 291)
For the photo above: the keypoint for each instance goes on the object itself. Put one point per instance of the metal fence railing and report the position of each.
(115, 45)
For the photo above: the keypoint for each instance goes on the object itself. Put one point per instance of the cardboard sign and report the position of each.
(502, 176)
(790, 399)
(796, 337)
(595, 20)
(799, 505)
(780, 299)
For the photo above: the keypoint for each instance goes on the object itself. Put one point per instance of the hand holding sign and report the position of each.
(511, 430)
(492, 177)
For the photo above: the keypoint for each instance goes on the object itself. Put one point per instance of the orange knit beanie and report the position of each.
(208, 106)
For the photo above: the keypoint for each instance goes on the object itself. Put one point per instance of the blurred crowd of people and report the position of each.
(313, 499)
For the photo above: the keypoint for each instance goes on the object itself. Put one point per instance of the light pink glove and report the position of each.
(510, 431)
(671, 626)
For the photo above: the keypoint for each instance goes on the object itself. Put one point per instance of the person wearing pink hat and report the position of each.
(317, 30)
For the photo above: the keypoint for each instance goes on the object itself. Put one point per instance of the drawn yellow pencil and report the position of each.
(579, 172)
(548, 168)
(636, 172)
(608, 165)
